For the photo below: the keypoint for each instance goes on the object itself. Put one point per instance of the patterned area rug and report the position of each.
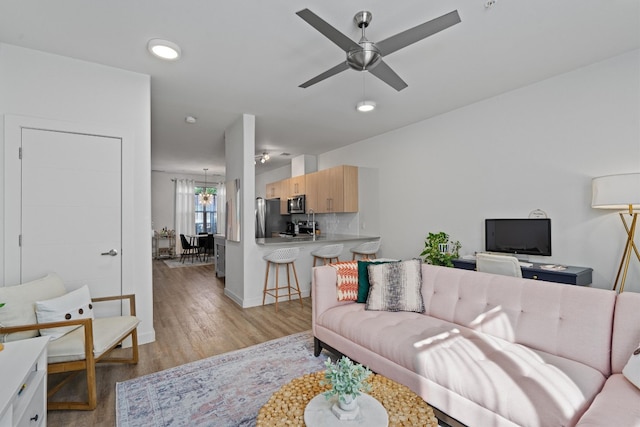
(175, 263)
(224, 390)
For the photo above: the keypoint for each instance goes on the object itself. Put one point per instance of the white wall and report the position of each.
(537, 147)
(37, 84)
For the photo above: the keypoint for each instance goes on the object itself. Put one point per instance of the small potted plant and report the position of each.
(439, 250)
(347, 380)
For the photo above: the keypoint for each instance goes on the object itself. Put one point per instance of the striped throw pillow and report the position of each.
(396, 287)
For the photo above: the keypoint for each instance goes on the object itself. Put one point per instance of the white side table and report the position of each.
(23, 373)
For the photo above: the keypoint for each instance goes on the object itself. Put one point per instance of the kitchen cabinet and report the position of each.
(333, 190)
(279, 190)
(274, 190)
(297, 186)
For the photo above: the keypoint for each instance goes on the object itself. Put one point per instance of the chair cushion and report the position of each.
(20, 301)
(107, 332)
(72, 306)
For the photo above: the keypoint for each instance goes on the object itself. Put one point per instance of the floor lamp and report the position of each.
(620, 192)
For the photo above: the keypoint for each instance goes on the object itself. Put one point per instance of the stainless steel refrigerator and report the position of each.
(268, 218)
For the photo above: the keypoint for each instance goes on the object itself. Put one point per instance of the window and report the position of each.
(205, 214)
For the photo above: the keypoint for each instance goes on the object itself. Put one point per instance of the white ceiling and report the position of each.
(249, 56)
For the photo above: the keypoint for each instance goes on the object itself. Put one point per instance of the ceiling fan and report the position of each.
(366, 55)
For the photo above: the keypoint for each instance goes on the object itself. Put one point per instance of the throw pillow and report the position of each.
(347, 280)
(19, 308)
(74, 305)
(363, 277)
(396, 287)
(631, 370)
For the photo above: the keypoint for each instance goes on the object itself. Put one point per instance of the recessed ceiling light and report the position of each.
(164, 49)
(190, 119)
(365, 106)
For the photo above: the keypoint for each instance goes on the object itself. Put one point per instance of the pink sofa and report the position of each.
(494, 350)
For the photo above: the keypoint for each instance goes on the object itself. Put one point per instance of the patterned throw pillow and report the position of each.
(396, 287)
(347, 274)
(74, 305)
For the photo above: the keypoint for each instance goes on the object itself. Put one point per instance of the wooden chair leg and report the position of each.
(297, 284)
(266, 281)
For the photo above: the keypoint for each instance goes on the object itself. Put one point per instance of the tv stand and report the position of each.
(580, 276)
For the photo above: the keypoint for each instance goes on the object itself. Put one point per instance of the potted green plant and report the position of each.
(439, 250)
(347, 380)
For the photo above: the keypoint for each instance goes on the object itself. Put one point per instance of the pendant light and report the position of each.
(204, 197)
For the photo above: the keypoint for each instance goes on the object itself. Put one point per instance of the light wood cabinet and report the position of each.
(274, 190)
(279, 190)
(297, 185)
(333, 190)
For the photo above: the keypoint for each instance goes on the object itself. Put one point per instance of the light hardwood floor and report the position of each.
(193, 319)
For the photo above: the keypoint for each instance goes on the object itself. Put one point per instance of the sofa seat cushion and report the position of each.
(106, 332)
(616, 405)
(504, 377)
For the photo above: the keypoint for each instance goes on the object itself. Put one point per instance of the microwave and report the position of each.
(296, 205)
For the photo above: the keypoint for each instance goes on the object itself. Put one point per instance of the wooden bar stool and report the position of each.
(327, 254)
(286, 257)
(366, 249)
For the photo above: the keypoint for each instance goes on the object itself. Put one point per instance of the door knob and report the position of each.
(112, 252)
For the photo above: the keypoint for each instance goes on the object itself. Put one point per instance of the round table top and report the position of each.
(370, 413)
(287, 405)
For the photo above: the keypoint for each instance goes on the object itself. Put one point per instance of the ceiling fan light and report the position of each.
(164, 49)
(365, 106)
(266, 156)
(364, 59)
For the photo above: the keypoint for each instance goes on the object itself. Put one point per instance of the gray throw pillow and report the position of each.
(395, 286)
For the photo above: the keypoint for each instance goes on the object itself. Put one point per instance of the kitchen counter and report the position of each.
(305, 239)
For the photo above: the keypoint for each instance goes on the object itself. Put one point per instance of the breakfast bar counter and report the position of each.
(303, 239)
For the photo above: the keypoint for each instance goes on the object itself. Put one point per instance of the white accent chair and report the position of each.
(498, 264)
(77, 350)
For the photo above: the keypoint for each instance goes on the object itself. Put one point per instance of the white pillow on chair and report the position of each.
(631, 370)
(74, 305)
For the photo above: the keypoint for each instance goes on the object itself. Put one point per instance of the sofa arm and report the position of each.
(324, 291)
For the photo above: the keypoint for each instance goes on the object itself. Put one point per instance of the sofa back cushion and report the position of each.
(20, 302)
(626, 330)
(569, 321)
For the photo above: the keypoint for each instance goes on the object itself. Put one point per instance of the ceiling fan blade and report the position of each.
(344, 42)
(330, 72)
(387, 75)
(418, 33)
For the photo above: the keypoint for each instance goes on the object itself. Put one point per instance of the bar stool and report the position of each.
(277, 258)
(327, 254)
(366, 249)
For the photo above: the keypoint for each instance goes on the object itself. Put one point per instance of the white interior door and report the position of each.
(71, 216)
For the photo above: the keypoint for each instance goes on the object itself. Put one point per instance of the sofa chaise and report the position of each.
(493, 350)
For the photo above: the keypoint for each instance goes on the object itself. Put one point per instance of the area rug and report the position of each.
(224, 390)
(175, 263)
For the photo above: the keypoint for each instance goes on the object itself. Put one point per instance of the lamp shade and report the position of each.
(616, 191)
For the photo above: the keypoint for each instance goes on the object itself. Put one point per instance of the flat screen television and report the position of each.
(527, 236)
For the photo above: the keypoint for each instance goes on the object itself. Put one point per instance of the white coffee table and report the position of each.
(318, 413)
